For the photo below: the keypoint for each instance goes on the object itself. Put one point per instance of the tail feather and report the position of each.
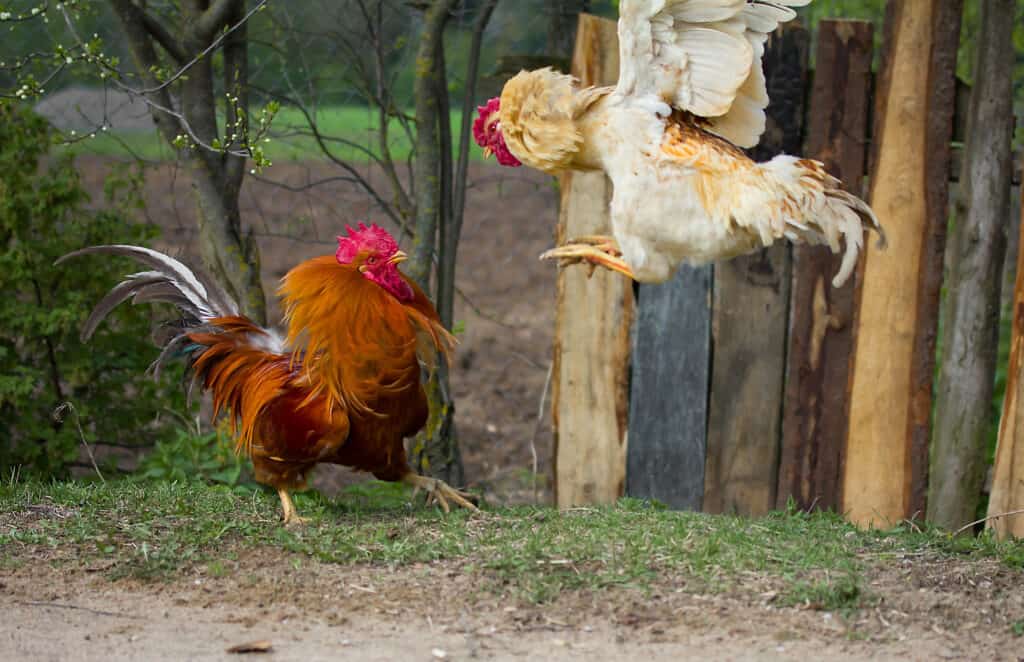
(244, 366)
(815, 210)
(170, 281)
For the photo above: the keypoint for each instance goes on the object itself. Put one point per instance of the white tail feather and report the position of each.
(806, 204)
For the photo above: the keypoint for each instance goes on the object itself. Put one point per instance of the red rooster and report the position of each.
(342, 386)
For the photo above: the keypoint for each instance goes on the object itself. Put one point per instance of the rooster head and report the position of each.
(375, 254)
(487, 132)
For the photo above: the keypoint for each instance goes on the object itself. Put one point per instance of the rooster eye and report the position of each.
(372, 259)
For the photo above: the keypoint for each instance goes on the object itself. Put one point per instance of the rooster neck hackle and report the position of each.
(358, 343)
(539, 114)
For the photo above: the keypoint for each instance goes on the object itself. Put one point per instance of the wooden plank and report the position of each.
(975, 253)
(885, 473)
(668, 404)
(822, 319)
(750, 316)
(593, 321)
(1008, 474)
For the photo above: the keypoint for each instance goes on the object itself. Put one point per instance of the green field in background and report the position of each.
(348, 132)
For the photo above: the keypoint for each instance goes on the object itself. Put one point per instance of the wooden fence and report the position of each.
(739, 386)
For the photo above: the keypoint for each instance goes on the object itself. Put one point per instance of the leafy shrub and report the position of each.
(191, 454)
(44, 214)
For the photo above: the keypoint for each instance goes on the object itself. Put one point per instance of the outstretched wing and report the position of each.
(702, 56)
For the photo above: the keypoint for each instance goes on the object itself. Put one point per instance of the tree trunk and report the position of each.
(427, 169)
(977, 245)
(232, 258)
(436, 449)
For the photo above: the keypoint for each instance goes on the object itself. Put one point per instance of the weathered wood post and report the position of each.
(823, 319)
(885, 472)
(1008, 476)
(593, 319)
(977, 246)
(750, 314)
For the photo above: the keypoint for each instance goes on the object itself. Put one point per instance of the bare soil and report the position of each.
(309, 611)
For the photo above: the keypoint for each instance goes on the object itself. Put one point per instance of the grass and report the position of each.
(158, 530)
(355, 124)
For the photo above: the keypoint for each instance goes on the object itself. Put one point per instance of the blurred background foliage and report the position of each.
(45, 213)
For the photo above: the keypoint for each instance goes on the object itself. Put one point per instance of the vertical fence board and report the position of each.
(668, 405)
(1008, 475)
(822, 319)
(750, 316)
(885, 470)
(975, 251)
(593, 320)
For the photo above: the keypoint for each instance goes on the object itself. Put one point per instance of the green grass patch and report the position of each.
(349, 131)
(157, 530)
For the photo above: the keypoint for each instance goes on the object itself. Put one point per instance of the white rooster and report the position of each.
(691, 93)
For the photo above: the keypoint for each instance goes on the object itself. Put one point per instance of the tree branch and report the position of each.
(162, 35)
(218, 15)
(236, 86)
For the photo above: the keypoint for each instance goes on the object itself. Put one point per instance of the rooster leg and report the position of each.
(605, 254)
(440, 491)
(290, 514)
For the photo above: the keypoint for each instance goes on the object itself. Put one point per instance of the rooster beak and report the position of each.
(487, 152)
(399, 256)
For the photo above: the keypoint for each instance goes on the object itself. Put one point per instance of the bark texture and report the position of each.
(231, 256)
(976, 249)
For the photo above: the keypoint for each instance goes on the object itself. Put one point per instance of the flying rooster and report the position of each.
(691, 93)
(342, 385)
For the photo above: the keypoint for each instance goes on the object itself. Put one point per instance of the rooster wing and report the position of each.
(703, 57)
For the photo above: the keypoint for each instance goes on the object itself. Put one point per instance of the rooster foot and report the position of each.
(290, 516)
(601, 242)
(439, 492)
(595, 250)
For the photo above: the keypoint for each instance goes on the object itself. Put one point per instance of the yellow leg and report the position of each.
(439, 491)
(290, 516)
(605, 242)
(598, 250)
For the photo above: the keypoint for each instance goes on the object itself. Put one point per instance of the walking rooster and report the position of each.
(341, 386)
(691, 93)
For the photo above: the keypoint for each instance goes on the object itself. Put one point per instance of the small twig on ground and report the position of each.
(536, 427)
(985, 519)
(100, 612)
(58, 415)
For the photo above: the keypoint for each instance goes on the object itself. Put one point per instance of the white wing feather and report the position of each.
(702, 56)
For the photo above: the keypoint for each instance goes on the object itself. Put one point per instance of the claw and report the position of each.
(439, 492)
(597, 251)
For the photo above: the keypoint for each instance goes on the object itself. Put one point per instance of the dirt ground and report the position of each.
(506, 302)
(926, 610)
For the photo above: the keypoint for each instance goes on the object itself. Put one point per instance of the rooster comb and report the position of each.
(366, 237)
(484, 112)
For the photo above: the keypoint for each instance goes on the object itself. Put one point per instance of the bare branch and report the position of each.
(322, 141)
(217, 16)
(162, 35)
